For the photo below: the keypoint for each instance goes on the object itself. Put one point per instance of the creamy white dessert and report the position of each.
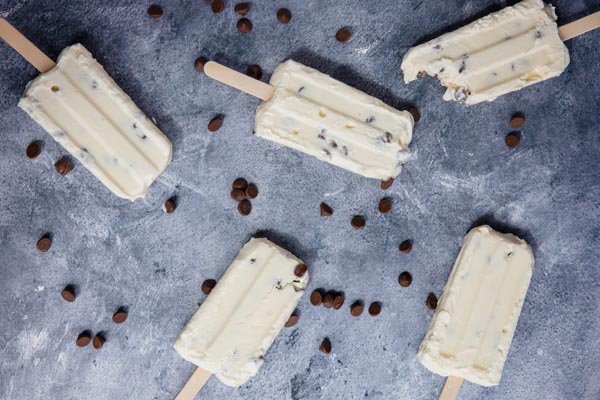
(500, 53)
(476, 317)
(237, 323)
(318, 115)
(85, 111)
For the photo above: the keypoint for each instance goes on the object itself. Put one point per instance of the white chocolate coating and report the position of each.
(476, 317)
(237, 323)
(318, 115)
(500, 53)
(85, 111)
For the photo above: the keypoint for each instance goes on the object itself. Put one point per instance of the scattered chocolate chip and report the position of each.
(300, 270)
(98, 341)
(208, 285)
(83, 339)
(517, 121)
(338, 301)
(512, 140)
(199, 63)
(343, 35)
(34, 149)
(284, 15)
(238, 194)
(244, 25)
(242, 8)
(218, 6)
(328, 300)
(215, 124)
(292, 320)
(170, 206)
(119, 316)
(325, 346)
(405, 279)
(254, 71)
(316, 298)
(358, 222)
(422, 74)
(356, 308)
(63, 166)
(240, 183)
(251, 191)
(375, 309)
(385, 185)
(245, 207)
(44, 244)
(326, 210)
(431, 301)
(155, 11)
(68, 294)
(415, 114)
(405, 247)
(385, 206)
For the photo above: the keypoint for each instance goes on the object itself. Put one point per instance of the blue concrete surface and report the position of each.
(133, 254)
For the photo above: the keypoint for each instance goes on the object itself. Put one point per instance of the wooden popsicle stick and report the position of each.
(451, 388)
(239, 81)
(24, 47)
(579, 27)
(194, 384)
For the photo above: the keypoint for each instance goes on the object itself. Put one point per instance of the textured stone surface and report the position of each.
(133, 254)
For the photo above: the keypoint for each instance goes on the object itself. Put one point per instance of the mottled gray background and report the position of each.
(133, 254)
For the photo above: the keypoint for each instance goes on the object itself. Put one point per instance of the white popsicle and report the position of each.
(471, 331)
(237, 323)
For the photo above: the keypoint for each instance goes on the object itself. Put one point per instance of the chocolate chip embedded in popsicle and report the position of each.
(83, 339)
(34, 149)
(208, 285)
(325, 346)
(300, 270)
(119, 316)
(405, 279)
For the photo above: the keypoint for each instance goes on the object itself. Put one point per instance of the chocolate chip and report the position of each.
(244, 25)
(216, 123)
(325, 346)
(512, 140)
(343, 35)
(240, 183)
(170, 206)
(98, 341)
(284, 15)
(218, 6)
(356, 308)
(199, 63)
(44, 244)
(316, 298)
(119, 316)
(254, 71)
(431, 301)
(68, 294)
(292, 320)
(251, 191)
(405, 279)
(422, 74)
(385, 206)
(358, 222)
(405, 247)
(328, 300)
(326, 210)
(375, 309)
(83, 339)
(338, 301)
(238, 194)
(155, 11)
(517, 121)
(245, 207)
(34, 149)
(415, 114)
(242, 8)
(385, 185)
(208, 285)
(300, 270)
(63, 166)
